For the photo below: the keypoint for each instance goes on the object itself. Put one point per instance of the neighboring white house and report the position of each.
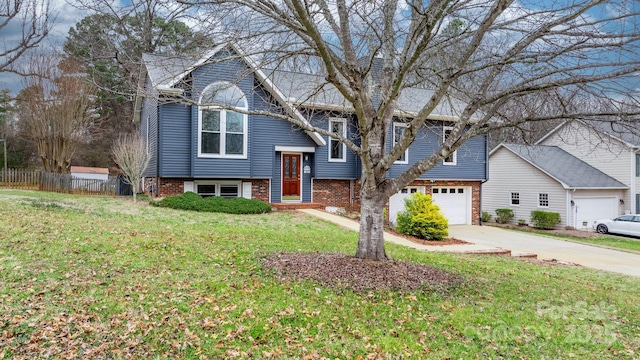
(525, 178)
(88, 178)
(610, 148)
(91, 173)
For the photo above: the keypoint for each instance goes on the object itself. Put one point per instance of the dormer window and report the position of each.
(222, 127)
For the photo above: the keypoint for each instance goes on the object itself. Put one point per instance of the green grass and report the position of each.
(612, 242)
(98, 277)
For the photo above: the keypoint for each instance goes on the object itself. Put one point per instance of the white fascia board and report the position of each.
(262, 77)
(176, 79)
(167, 90)
(295, 149)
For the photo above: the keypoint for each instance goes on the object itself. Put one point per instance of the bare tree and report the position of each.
(25, 23)
(54, 108)
(131, 154)
(488, 61)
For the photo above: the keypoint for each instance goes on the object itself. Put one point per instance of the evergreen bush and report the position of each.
(195, 202)
(504, 216)
(486, 216)
(544, 219)
(422, 219)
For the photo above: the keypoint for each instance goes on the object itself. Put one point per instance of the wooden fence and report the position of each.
(62, 183)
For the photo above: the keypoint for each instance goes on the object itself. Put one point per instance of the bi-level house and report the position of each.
(220, 152)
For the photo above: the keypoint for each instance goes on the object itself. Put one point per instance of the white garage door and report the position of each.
(455, 203)
(396, 202)
(590, 209)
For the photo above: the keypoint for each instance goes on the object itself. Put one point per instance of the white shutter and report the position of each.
(189, 186)
(246, 190)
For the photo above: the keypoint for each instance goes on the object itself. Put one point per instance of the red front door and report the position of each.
(290, 177)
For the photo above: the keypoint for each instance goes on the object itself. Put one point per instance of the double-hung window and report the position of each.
(515, 199)
(222, 127)
(543, 200)
(337, 150)
(452, 158)
(398, 131)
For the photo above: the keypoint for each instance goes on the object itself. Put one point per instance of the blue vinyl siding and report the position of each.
(325, 169)
(470, 163)
(266, 133)
(231, 71)
(175, 127)
(149, 128)
(175, 136)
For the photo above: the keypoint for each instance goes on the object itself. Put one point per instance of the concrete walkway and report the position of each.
(488, 239)
(354, 225)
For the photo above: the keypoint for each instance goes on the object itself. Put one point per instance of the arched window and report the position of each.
(222, 132)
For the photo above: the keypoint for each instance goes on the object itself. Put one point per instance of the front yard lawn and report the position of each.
(97, 277)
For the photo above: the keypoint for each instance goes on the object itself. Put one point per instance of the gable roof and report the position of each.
(563, 167)
(295, 88)
(611, 129)
(166, 72)
(310, 90)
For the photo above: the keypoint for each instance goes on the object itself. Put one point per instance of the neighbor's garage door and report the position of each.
(455, 203)
(591, 209)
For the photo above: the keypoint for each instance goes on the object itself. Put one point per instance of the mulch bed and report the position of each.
(340, 271)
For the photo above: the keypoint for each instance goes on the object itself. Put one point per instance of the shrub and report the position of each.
(544, 219)
(504, 216)
(522, 222)
(195, 202)
(486, 216)
(422, 219)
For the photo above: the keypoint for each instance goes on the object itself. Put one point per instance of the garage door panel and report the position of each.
(591, 209)
(454, 203)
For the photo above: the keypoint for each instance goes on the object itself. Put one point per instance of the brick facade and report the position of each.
(329, 192)
(336, 192)
(260, 189)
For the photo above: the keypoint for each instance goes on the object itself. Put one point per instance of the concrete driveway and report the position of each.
(549, 248)
(488, 239)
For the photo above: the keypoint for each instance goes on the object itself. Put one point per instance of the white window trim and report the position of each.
(344, 134)
(218, 184)
(223, 130)
(511, 198)
(393, 143)
(538, 200)
(454, 155)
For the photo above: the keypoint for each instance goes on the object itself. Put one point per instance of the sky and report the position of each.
(66, 16)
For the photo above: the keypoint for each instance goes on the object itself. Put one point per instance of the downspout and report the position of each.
(632, 190)
(158, 151)
(486, 173)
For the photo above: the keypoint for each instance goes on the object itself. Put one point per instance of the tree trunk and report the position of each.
(371, 240)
